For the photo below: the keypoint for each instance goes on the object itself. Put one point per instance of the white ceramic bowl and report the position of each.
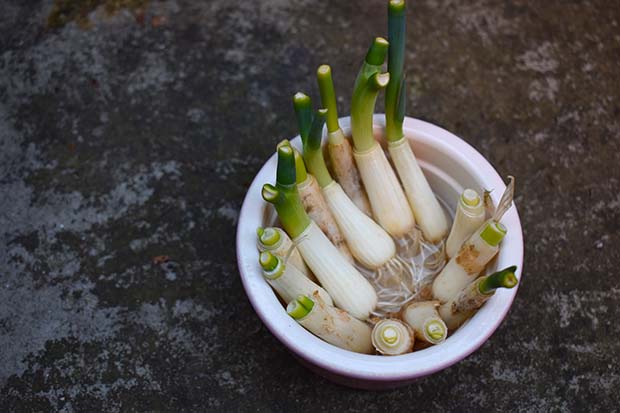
(450, 165)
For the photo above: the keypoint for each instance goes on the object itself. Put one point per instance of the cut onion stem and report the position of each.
(332, 324)
(287, 280)
(338, 147)
(474, 255)
(464, 305)
(276, 241)
(347, 287)
(425, 321)
(392, 337)
(470, 214)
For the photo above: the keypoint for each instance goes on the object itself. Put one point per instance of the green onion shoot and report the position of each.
(338, 147)
(389, 204)
(348, 288)
(426, 209)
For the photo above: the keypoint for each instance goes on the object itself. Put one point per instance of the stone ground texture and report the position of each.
(132, 138)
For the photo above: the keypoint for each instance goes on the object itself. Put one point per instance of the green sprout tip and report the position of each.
(367, 85)
(300, 307)
(303, 111)
(505, 278)
(285, 197)
(395, 94)
(313, 153)
(328, 96)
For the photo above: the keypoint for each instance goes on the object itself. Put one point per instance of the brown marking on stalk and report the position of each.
(470, 299)
(316, 207)
(348, 176)
(467, 259)
(426, 292)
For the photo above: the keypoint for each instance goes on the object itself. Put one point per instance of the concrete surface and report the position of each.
(131, 137)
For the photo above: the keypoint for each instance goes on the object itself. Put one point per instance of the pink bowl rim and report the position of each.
(379, 368)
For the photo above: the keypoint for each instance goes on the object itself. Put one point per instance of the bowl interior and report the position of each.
(450, 165)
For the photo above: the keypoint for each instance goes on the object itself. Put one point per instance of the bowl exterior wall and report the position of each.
(450, 165)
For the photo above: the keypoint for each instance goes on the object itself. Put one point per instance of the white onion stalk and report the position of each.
(276, 241)
(425, 321)
(347, 287)
(387, 199)
(392, 337)
(331, 324)
(464, 267)
(470, 214)
(287, 280)
(457, 310)
(338, 147)
(368, 242)
(429, 215)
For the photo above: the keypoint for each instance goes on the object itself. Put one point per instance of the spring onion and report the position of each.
(425, 321)
(331, 324)
(474, 255)
(276, 241)
(368, 242)
(314, 203)
(392, 337)
(428, 214)
(309, 184)
(469, 216)
(461, 307)
(387, 199)
(338, 147)
(347, 287)
(287, 280)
